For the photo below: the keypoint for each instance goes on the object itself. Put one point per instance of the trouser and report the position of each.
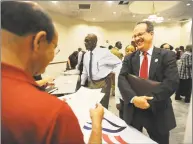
(149, 124)
(184, 89)
(105, 84)
(121, 109)
(154, 134)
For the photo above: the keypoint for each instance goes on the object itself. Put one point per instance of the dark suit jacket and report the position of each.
(163, 70)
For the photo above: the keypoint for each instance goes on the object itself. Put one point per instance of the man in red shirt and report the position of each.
(31, 116)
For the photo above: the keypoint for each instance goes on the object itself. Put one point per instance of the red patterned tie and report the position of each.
(144, 67)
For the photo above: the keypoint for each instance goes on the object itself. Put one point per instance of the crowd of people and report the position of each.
(32, 116)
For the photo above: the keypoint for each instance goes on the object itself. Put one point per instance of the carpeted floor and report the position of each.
(181, 112)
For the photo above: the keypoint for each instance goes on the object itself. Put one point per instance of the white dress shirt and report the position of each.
(103, 63)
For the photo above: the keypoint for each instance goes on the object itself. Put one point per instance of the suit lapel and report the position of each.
(154, 62)
(136, 63)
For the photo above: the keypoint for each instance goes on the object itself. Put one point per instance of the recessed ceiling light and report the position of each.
(114, 12)
(109, 1)
(188, 4)
(54, 2)
(133, 15)
(93, 18)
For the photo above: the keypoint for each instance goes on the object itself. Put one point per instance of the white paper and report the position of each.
(82, 101)
(66, 84)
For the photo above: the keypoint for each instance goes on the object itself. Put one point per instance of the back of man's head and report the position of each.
(189, 48)
(24, 18)
(79, 49)
(28, 34)
(118, 44)
(181, 48)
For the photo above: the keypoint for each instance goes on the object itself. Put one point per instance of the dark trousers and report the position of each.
(184, 89)
(121, 109)
(105, 84)
(140, 121)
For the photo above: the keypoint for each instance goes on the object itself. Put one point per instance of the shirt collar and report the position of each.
(149, 52)
(17, 74)
(95, 49)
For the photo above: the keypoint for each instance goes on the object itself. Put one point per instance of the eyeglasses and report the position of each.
(56, 51)
(139, 35)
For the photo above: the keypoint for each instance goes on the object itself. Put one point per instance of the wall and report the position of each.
(72, 33)
(186, 33)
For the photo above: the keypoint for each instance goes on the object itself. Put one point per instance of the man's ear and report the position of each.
(152, 33)
(39, 37)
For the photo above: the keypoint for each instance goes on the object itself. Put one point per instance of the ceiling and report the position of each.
(129, 11)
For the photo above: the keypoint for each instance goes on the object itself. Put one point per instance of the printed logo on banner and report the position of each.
(115, 130)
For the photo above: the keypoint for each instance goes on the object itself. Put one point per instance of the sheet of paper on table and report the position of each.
(82, 101)
(66, 84)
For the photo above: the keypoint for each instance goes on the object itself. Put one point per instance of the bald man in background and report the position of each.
(30, 116)
(99, 68)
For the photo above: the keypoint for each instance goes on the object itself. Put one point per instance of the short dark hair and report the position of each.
(150, 26)
(181, 48)
(21, 18)
(116, 44)
(79, 49)
(110, 47)
(189, 48)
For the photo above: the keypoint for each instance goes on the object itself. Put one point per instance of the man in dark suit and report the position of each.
(153, 111)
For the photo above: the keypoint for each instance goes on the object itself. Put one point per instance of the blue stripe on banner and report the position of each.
(113, 124)
(107, 130)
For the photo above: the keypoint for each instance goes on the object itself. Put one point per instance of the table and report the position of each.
(115, 130)
(65, 84)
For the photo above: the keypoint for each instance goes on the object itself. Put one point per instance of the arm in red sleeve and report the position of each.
(65, 129)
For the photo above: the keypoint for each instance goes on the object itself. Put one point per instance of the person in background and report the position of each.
(43, 83)
(72, 61)
(115, 50)
(110, 47)
(118, 98)
(165, 46)
(28, 115)
(153, 111)
(99, 67)
(185, 73)
(177, 53)
(181, 50)
(129, 49)
(80, 55)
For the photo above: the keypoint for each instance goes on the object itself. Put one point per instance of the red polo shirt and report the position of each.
(30, 116)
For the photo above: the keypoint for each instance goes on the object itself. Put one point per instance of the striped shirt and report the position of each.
(185, 66)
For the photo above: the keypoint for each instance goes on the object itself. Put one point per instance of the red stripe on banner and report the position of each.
(119, 139)
(106, 139)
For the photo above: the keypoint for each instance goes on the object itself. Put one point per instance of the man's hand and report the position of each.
(141, 102)
(49, 79)
(97, 115)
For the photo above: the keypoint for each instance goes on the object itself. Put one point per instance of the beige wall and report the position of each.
(186, 33)
(72, 33)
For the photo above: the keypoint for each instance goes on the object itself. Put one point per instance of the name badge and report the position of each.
(156, 60)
